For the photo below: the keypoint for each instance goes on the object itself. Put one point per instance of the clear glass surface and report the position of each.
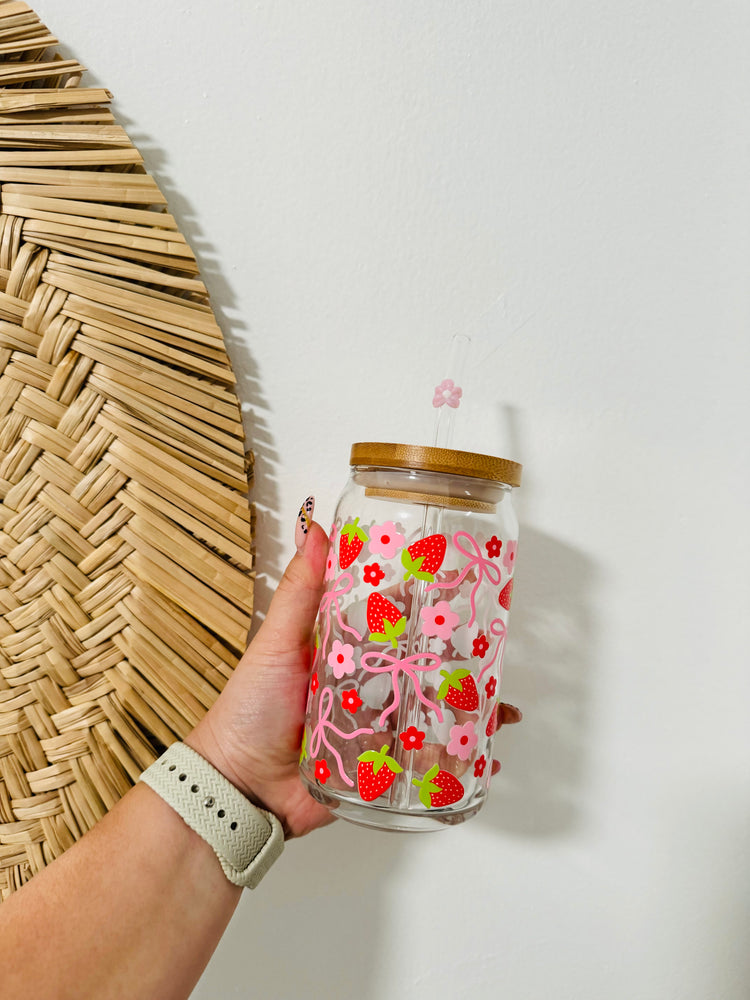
(410, 639)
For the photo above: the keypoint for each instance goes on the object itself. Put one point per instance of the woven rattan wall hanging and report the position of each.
(125, 530)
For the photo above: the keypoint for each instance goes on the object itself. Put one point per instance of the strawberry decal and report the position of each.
(438, 788)
(424, 558)
(351, 542)
(459, 689)
(384, 620)
(505, 595)
(376, 772)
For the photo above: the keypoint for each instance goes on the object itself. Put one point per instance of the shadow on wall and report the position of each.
(264, 493)
(254, 404)
(548, 667)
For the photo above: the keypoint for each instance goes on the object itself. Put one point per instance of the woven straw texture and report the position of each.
(125, 529)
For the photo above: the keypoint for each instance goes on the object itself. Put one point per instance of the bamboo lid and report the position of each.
(427, 459)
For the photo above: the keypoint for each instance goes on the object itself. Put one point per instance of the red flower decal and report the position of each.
(314, 683)
(479, 766)
(493, 547)
(322, 771)
(412, 738)
(490, 687)
(350, 700)
(373, 574)
(480, 646)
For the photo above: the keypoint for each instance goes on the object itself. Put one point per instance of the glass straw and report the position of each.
(448, 394)
(446, 400)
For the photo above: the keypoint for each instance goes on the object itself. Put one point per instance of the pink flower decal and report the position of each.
(491, 687)
(322, 771)
(439, 620)
(493, 547)
(447, 392)
(480, 645)
(385, 539)
(341, 658)
(509, 559)
(412, 738)
(350, 700)
(373, 574)
(479, 766)
(463, 740)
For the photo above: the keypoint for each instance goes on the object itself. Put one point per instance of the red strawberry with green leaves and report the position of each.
(438, 788)
(424, 557)
(505, 595)
(385, 622)
(351, 541)
(459, 689)
(376, 772)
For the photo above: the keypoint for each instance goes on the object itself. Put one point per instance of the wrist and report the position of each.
(246, 839)
(204, 741)
(173, 848)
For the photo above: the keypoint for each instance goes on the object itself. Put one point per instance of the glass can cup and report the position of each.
(410, 637)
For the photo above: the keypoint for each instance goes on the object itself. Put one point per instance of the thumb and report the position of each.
(291, 615)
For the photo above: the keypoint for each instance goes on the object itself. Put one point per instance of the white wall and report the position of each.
(361, 180)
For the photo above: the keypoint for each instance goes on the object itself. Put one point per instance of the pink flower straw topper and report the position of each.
(448, 394)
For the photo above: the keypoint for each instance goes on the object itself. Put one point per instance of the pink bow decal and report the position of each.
(484, 568)
(501, 632)
(408, 666)
(325, 707)
(330, 602)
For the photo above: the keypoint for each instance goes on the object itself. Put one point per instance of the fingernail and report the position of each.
(304, 520)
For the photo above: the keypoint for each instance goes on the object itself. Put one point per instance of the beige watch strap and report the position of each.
(247, 840)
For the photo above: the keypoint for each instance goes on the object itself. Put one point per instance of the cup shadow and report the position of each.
(548, 668)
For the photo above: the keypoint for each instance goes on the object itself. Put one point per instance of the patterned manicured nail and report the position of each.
(304, 520)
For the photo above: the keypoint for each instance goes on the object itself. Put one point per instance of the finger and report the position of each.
(507, 714)
(291, 615)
